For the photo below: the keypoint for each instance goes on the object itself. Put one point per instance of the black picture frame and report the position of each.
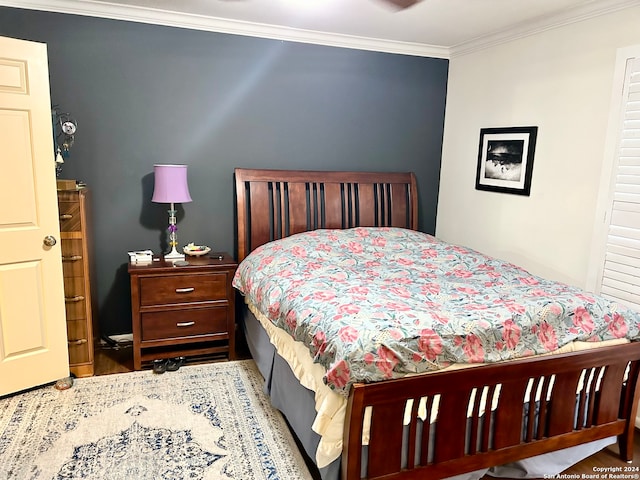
(505, 159)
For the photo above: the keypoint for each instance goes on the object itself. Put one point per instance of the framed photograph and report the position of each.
(505, 159)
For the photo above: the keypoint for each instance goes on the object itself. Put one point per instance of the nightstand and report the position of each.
(183, 310)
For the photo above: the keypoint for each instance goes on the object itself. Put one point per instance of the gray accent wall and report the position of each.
(145, 94)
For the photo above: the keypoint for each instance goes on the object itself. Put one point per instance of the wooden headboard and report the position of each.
(273, 204)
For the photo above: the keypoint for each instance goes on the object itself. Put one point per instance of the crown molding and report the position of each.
(565, 17)
(586, 10)
(222, 25)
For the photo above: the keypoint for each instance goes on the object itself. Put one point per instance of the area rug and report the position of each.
(204, 422)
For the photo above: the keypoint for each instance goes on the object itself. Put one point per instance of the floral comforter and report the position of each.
(379, 303)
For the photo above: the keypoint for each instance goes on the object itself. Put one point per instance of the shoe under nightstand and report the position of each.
(183, 310)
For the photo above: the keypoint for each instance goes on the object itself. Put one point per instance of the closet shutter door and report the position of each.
(621, 273)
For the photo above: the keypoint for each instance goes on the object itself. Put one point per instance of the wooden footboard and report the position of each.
(582, 396)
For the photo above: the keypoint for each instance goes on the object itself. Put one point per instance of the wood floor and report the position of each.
(120, 360)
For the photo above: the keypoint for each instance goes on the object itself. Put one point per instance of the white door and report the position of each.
(33, 337)
(619, 278)
(614, 269)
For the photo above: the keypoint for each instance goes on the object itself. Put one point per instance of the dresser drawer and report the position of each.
(75, 308)
(75, 298)
(72, 258)
(78, 342)
(77, 332)
(184, 323)
(70, 220)
(79, 354)
(171, 289)
(74, 287)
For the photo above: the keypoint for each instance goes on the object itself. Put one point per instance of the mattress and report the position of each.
(373, 304)
(329, 406)
(370, 304)
(298, 404)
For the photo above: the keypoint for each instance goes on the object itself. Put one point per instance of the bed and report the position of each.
(436, 424)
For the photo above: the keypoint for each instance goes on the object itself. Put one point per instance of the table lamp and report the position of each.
(171, 187)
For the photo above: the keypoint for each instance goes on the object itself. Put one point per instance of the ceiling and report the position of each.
(437, 28)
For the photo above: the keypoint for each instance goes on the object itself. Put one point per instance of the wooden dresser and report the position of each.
(76, 266)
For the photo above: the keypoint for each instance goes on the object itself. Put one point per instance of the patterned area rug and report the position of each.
(201, 422)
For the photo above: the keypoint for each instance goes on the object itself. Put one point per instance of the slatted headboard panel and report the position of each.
(273, 204)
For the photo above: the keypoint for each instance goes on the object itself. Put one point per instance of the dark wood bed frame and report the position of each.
(273, 204)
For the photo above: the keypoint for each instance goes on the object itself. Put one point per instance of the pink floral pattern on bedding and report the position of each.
(378, 303)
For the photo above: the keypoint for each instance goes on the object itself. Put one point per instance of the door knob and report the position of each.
(49, 240)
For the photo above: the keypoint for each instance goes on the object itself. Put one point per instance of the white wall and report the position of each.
(560, 80)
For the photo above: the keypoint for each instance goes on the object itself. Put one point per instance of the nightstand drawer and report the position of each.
(70, 220)
(171, 289)
(184, 323)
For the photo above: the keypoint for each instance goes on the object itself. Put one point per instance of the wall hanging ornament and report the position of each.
(64, 130)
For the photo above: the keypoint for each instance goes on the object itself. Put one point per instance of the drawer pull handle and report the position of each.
(72, 258)
(185, 290)
(77, 342)
(66, 216)
(77, 298)
(185, 324)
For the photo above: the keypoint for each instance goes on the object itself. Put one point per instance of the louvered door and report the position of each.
(620, 278)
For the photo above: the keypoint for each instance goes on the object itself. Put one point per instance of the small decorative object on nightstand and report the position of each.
(183, 310)
(195, 250)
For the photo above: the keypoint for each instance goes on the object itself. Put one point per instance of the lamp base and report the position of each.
(173, 255)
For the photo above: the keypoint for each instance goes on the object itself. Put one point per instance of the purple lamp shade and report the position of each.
(170, 184)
